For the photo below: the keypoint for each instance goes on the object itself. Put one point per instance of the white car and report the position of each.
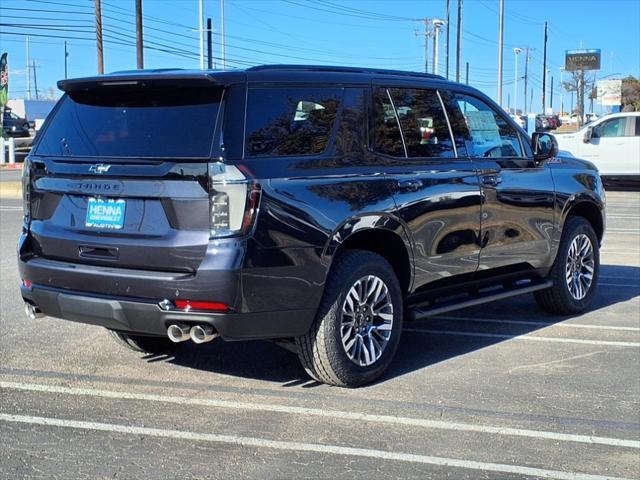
(611, 142)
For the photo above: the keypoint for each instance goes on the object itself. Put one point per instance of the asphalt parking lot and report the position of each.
(500, 391)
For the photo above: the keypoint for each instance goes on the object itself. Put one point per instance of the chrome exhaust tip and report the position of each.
(32, 311)
(202, 333)
(178, 333)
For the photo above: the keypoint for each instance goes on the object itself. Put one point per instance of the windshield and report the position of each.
(133, 122)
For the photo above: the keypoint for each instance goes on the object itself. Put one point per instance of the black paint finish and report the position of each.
(433, 218)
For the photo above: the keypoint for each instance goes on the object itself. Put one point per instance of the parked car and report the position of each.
(612, 143)
(319, 207)
(15, 126)
(520, 120)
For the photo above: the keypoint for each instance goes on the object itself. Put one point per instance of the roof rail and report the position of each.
(329, 68)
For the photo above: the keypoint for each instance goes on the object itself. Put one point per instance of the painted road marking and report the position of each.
(524, 337)
(541, 324)
(301, 447)
(336, 414)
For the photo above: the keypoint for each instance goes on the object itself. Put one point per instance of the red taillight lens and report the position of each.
(27, 284)
(233, 200)
(190, 305)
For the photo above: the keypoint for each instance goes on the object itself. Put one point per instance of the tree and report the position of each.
(630, 94)
(580, 82)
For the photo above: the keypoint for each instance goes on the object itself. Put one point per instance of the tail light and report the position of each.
(26, 190)
(233, 200)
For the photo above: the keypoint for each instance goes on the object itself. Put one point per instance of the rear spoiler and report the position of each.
(167, 78)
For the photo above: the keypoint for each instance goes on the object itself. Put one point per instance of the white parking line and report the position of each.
(540, 324)
(623, 285)
(524, 337)
(302, 447)
(316, 412)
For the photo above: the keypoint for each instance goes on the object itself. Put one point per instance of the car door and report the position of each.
(517, 193)
(613, 146)
(437, 193)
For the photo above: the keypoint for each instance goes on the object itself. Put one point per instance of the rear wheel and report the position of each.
(142, 343)
(575, 271)
(358, 325)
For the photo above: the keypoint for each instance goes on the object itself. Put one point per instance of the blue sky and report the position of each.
(367, 33)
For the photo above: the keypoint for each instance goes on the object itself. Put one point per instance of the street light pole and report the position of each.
(201, 31)
(516, 51)
(437, 24)
(500, 42)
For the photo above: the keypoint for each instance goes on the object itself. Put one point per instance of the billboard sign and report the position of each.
(582, 60)
(609, 92)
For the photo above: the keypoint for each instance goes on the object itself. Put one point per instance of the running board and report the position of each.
(434, 308)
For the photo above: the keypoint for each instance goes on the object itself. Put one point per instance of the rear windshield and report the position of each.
(119, 122)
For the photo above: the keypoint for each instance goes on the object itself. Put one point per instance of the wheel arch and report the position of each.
(590, 209)
(381, 234)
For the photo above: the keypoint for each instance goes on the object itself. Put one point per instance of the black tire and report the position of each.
(142, 343)
(558, 299)
(321, 350)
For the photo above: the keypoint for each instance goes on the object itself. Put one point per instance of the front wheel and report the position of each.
(575, 271)
(358, 325)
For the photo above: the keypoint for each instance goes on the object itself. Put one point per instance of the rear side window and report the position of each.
(616, 127)
(290, 121)
(133, 122)
(488, 133)
(386, 130)
(424, 125)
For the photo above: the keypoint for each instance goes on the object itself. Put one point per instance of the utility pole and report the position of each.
(139, 41)
(500, 42)
(526, 78)
(222, 42)
(28, 71)
(66, 56)
(426, 45)
(437, 24)
(458, 40)
(35, 80)
(201, 31)
(467, 76)
(98, 11)
(544, 70)
(516, 51)
(551, 95)
(209, 43)
(447, 26)
(561, 92)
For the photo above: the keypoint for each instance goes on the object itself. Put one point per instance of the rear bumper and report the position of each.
(143, 317)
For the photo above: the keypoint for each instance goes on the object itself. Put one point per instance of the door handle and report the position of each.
(491, 179)
(410, 185)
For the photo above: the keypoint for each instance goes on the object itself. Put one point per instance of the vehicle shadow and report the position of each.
(418, 350)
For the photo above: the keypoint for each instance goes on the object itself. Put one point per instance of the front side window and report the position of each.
(424, 125)
(133, 122)
(290, 121)
(616, 127)
(489, 134)
(387, 138)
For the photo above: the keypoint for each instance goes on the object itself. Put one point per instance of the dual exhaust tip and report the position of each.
(198, 334)
(32, 311)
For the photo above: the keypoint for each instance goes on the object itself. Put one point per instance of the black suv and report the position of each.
(315, 206)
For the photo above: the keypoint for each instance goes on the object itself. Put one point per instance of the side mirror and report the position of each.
(588, 135)
(544, 146)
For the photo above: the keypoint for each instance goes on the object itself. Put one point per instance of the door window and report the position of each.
(387, 138)
(616, 127)
(423, 122)
(488, 133)
(290, 121)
